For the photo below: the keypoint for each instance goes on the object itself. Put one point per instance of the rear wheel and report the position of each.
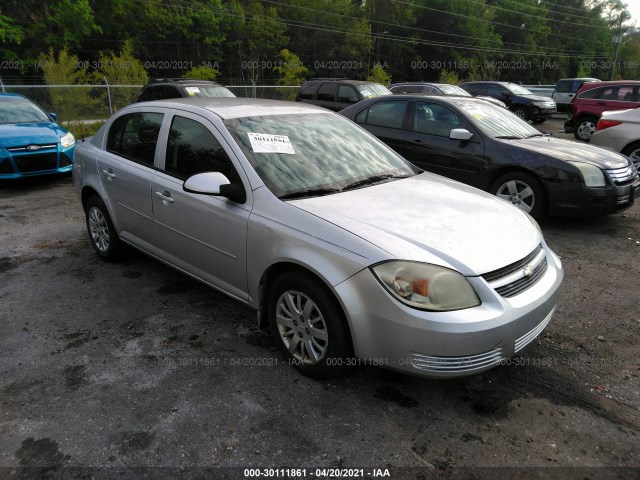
(101, 231)
(584, 128)
(633, 152)
(308, 325)
(523, 191)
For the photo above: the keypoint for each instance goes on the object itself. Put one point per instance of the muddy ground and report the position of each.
(133, 370)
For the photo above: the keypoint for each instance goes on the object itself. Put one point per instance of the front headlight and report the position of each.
(425, 286)
(68, 140)
(592, 175)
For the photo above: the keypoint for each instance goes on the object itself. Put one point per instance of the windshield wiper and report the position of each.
(509, 137)
(310, 192)
(537, 135)
(373, 179)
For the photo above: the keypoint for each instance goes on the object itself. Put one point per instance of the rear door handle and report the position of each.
(109, 174)
(165, 197)
(601, 103)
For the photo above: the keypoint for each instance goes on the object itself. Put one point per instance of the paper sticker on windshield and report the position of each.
(192, 90)
(366, 94)
(266, 143)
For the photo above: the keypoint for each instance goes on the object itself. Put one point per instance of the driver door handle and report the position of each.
(109, 174)
(165, 197)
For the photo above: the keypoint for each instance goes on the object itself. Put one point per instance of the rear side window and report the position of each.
(593, 93)
(135, 136)
(386, 114)
(307, 91)
(327, 92)
(192, 148)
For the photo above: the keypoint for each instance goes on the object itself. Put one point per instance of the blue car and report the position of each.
(31, 142)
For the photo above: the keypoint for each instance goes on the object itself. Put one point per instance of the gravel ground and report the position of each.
(134, 370)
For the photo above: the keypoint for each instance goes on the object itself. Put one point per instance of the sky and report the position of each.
(633, 6)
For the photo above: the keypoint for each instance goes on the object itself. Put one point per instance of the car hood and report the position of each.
(571, 151)
(429, 218)
(21, 134)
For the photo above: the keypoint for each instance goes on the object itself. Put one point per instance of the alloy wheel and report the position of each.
(99, 229)
(302, 327)
(518, 193)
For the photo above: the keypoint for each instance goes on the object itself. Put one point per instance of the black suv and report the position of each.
(338, 93)
(163, 88)
(518, 99)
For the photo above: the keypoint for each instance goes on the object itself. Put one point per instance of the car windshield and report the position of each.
(518, 90)
(495, 121)
(313, 153)
(453, 90)
(209, 91)
(20, 110)
(370, 90)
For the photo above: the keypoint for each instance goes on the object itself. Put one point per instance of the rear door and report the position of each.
(387, 120)
(126, 169)
(326, 96)
(201, 234)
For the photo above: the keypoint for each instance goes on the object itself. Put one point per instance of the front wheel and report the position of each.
(523, 113)
(309, 326)
(584, 128)
(102, 233)
(523, 191)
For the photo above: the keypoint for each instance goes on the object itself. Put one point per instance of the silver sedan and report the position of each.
(348, 253)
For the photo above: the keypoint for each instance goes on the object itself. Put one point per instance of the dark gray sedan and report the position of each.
(490, 148)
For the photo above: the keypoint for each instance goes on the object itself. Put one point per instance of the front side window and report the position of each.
(327, 92)
(192, 148)
(347, 94)
(312, 151)
(134, 137)
(436, 119)
(307, 91)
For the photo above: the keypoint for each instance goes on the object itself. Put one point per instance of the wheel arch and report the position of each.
(86, 193)
(282, 267)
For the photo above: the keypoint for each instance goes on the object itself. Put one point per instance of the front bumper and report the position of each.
(20, 164)
(572, 199)
(540, 113)
(389, 334)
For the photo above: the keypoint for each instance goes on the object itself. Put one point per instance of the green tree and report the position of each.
(290, 72)
(70, 103)
(202, 73)
(122, 69)
(380, 75)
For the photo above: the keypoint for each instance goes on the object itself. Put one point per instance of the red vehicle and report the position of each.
(594, 98)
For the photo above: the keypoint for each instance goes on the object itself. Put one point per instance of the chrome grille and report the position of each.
(468, 363)
(621, 175)
(515, 278)
(25, 147)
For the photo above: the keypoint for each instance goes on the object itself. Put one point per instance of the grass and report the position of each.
(82, 129)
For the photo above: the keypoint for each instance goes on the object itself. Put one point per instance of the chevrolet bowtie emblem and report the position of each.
(527, 271)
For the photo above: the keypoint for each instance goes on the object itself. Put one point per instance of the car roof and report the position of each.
(591, 85)
(9, 94)
(345, 80)
(182, 81)
(421, 96)
(235, 107)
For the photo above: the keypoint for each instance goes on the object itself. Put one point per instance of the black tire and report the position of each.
(584, 128)
(633, 152)
(539, 121)
(316, 340)
(102, 233)
(524, 191)
(523, 113)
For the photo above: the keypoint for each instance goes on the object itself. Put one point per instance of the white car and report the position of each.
(619, 130)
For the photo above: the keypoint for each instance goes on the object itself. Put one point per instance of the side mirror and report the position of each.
(460, 134)
(54, 116)
(505, 93)
(216, 184)
(353, 100)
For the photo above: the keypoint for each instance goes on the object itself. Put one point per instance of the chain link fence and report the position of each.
(90, 103)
